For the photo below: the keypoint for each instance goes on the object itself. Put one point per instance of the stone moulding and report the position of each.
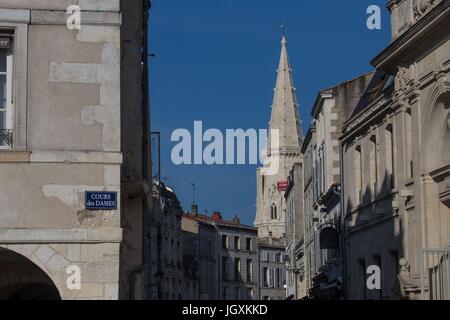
(86, 5)
(423, 27)
(15, 15)
(45, 17)
(25, 236)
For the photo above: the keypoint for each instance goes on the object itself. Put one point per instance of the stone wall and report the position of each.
(67, 141)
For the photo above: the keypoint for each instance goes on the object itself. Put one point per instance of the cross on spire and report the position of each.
(283, 27)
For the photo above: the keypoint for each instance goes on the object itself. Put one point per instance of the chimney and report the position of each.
(194, 209)
(236, 219)
(216, 216)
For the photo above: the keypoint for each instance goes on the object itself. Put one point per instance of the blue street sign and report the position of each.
(101, 200)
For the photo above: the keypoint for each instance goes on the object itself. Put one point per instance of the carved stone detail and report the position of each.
(422, 7)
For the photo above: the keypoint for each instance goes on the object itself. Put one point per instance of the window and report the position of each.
(408, 144)
(279, 257)
(265, 256)
(275, 257)
(271, 278)
(358, 174)
(390, 156)
(273, 212)
(248, 244)
(265, 277)
(224, 268)
(237, 269)
(6, 85)
(224, 242)
(237, 243)
(277, 278)
(249, 270)
(373, 164)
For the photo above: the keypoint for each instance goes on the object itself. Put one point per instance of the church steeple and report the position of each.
(270, 202)
(285, 116)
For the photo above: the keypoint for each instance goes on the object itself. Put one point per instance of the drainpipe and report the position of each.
(146, 154)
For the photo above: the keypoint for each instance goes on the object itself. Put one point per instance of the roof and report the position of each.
(225, 223)
(381, 84)
(168, 196)
(285, 116)
(272, 242)
(308, 138)
(328, 93)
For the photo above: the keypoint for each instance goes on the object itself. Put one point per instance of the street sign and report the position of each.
(100, 200)
(282, 185)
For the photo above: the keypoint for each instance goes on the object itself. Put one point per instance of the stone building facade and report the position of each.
(169, 272)
(295, 228)
(307, 210)
(238, 259)
(63, 137)
(272, 277)
(136, 267)
(200, 260)
(322, 208)
(396, 155)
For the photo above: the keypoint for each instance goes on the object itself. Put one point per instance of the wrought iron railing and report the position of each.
(435, 274)
(6, 138)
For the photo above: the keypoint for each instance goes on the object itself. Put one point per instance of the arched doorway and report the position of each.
(21, 279)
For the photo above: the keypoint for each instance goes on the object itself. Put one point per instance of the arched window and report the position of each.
(273, 212)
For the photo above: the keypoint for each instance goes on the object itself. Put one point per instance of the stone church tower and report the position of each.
(270, 202)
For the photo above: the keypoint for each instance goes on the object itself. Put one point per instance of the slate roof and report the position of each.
(381, 84)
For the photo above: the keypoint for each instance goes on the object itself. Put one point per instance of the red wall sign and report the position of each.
(282, 185)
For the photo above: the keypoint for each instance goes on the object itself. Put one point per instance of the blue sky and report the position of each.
(216, 61)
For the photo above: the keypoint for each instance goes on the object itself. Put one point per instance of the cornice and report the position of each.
(387, 59)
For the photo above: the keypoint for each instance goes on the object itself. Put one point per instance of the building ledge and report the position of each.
(8, 156)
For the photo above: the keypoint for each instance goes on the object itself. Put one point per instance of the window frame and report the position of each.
(16, 22)
(8, 109)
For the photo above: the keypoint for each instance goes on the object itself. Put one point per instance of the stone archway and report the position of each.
(436, 131)
(435, 173)
(21, 279)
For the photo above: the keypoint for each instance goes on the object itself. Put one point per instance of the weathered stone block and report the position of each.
(57, 263)
(74, 252)
(73, 72)
(111, 291)
(44, 253)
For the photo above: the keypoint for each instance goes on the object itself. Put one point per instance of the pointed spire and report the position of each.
(285, 116)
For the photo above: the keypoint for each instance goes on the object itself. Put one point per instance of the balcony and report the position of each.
(6, 139)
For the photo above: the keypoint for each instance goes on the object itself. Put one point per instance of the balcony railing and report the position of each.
(435, 274)
(6, 138)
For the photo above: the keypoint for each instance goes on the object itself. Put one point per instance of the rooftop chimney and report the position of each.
(216, 216)
(236, 219)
